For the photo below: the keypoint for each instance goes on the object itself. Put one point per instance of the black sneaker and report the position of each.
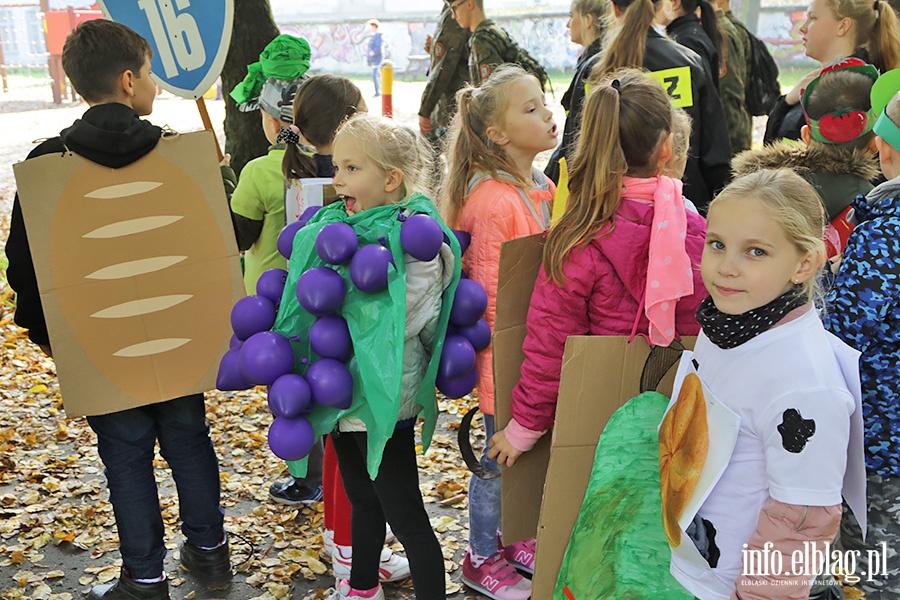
(128, 589)
(212, 568)
(291, 491)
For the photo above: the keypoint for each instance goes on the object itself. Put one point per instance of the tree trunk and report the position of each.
(253, 28)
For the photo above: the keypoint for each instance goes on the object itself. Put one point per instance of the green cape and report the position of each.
(377, 323)
(618, 548)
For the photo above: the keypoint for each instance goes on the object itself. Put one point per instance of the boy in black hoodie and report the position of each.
(109, 65)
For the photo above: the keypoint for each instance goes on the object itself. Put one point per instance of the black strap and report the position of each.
(465, 448)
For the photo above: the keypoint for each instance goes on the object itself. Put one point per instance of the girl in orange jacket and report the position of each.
(495, 194)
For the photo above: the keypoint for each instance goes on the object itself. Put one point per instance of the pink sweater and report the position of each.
(606, 280)
(494, 213)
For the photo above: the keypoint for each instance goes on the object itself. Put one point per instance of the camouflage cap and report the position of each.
(276, 98)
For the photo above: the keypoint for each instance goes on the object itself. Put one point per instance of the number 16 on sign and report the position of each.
(176, 34)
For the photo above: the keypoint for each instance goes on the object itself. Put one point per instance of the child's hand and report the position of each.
(793, 96)
(502, 451)
(226, 161)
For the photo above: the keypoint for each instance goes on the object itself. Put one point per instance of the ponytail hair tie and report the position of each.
(289, 135)
(617, 85)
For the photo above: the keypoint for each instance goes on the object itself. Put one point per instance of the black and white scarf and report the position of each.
(730, 331)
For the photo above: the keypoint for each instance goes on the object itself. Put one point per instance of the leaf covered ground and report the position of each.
(57, 531)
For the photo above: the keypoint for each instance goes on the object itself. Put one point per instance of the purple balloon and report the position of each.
(479, 334)
(321, 291)
(464, 237)
(235, 342)
(457, 357)
(308, 214)
(229, 377)
(330, 338)
(331, 383)
(265, 357)
(421, 237)
(285, 243)
(251, 315)
(289, 396)
(336, 243)
(459, 387)
(369, 268)
(291, 439)
(469, 303)
(271, 285)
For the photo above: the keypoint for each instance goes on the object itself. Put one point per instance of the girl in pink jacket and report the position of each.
(623, 259)
(495, 194)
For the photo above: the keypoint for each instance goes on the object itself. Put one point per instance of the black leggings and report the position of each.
(393, 496)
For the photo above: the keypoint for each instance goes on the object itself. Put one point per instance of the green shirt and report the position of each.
(260, 196)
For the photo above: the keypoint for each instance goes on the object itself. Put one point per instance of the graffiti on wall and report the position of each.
(341, 47)
(781, 31)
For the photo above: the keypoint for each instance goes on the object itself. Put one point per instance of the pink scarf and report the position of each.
(669, 273)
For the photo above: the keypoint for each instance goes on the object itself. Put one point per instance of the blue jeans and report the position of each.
(484, 503)
(376, 78)
(125, 441)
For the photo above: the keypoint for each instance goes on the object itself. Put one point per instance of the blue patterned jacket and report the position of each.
(864, 311)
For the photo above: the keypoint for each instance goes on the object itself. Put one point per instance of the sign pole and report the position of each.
(207, 124)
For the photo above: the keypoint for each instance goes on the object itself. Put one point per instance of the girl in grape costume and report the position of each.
(397, 335)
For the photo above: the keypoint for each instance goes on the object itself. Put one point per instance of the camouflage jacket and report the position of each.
(448, 72)
(732, 86)
(488, 47)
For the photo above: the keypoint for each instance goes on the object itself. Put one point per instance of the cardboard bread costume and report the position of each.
(137, 269)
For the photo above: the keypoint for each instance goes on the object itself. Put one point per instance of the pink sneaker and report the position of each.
(345, 592)
(521, 554)
(496, 579)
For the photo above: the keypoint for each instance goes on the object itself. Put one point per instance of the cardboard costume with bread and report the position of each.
(137, 269)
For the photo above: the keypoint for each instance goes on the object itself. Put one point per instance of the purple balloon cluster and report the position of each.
(259, 356)
(467, 334)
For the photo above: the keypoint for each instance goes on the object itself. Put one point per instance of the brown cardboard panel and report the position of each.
(520, 262)
(138, 270)
(597, 378)
(508, 359)
(599, 375)
(543, 492)
(564, 494)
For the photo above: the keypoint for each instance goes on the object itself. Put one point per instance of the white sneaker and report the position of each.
(328, 542)
(345, 592)
(393, 567)
(389, 537)
(328, 539)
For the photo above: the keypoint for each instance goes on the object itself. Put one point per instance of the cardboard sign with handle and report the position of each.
(189, 38)
(138, 270)
(543, 492)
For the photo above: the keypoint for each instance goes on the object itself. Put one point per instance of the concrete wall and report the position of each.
(341, 47)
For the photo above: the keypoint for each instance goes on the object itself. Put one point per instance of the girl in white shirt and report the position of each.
(754, 449)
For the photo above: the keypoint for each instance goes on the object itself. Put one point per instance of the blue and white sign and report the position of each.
(189, 38)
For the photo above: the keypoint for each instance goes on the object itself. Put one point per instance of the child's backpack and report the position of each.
(763, 88)
(511, 52)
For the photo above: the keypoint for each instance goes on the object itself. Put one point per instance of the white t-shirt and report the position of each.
(787, 387)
